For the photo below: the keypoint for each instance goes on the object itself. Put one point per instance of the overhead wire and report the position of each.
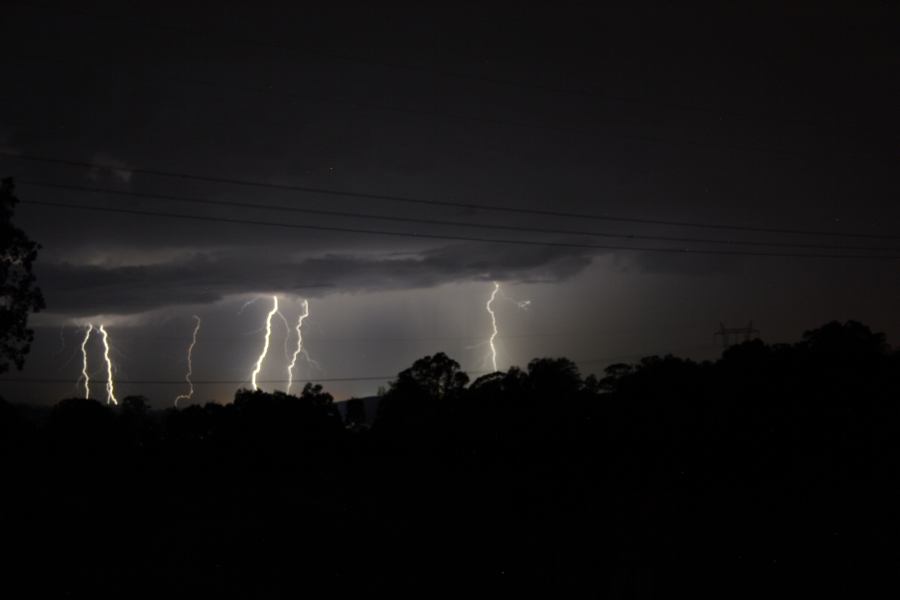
(432, 236)
(415, 220)
(431, 202)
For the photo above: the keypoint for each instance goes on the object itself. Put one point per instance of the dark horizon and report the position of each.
(773, 468)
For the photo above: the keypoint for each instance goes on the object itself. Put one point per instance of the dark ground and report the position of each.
(655, 481)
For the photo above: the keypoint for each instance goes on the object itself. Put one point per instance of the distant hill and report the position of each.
(370, 402)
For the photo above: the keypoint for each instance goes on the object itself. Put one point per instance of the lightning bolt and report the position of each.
(110, 386)
(522, 304)
(62, 340)
(84, 362)
(246, 304)
(190, 370)
(490, 309)
(266, 346)
(299, 344)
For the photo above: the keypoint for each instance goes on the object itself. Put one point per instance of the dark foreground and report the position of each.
(773, 472)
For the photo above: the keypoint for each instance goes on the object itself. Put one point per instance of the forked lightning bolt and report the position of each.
(490, 308)
(265, 350)
(84, 361)
(190, 370)
(110, 386)
(299, 348)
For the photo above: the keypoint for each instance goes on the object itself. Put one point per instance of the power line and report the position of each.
(430, 236)
(428, 202)
(493, 227)
(49, 380)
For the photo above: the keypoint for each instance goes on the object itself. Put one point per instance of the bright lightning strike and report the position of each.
(190, 370)
(266, 346)
(84, 362)
(110, 386)
(490, 309)
(299, 344)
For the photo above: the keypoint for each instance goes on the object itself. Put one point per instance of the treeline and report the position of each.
(833, 397)
(775, 459)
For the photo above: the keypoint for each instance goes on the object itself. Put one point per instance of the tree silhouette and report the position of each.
(355, 413)
(851, 341)
(137, 428)
(437, 377)
(316, 395)
(19, 294)
(79, 428)
(13, 428)
(554, 376)
(136, 405)
(771, 450)
(422, 395)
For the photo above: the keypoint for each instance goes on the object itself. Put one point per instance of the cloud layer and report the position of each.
(201, 278)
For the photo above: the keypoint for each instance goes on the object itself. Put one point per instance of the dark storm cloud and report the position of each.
(203, 278)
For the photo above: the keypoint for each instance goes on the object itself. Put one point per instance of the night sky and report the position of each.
(774, 125)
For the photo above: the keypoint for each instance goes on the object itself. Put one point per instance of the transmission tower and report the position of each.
(735, 335)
